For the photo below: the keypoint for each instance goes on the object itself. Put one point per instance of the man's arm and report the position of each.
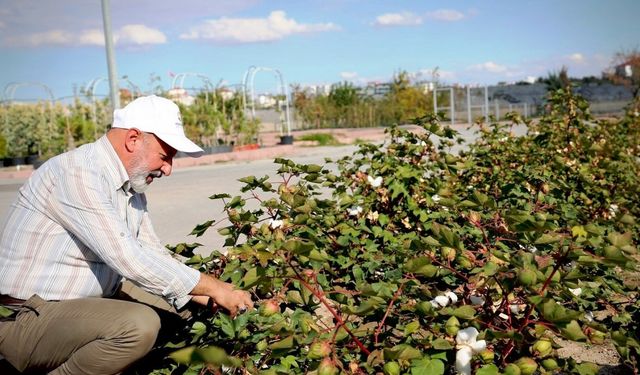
(81, 203)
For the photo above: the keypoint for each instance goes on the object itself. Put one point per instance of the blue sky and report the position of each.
(60, 43)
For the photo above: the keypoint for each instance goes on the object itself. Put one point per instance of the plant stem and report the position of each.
(333, 312)
(386, 313)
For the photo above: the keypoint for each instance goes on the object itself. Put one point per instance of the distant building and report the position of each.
(181, 96)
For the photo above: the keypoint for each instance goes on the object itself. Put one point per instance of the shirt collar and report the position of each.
(115, 170)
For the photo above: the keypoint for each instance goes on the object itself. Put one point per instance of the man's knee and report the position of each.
(141, 325)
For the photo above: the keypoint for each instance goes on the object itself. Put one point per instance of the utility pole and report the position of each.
(111, 58)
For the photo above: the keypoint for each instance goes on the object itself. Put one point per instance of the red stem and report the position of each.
(335, 314)
(386, 313)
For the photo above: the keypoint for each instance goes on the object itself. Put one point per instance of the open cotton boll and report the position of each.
(275, 224)
(467, 346)
(452, 296)
(463, 360)
(375, 182)
(355, 211)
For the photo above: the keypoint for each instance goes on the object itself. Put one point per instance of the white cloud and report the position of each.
(398, 19)
(92, 37)
(577, 58)
(139, 35)
(448, 15)
(490, 67)
(348, 75)
(252, 30)
(128, 35)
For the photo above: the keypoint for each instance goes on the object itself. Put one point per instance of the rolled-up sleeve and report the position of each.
(81, 202)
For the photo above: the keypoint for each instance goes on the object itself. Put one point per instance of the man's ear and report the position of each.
(133, 139)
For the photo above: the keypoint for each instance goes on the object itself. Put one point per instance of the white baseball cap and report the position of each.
(157, 115)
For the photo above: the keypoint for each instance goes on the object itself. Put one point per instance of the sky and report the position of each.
(59, 44)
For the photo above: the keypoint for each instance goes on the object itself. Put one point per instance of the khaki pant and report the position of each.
(84, 336)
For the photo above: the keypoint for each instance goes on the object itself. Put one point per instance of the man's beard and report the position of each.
(139, 173)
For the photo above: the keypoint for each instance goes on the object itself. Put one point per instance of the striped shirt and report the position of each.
(76, 230)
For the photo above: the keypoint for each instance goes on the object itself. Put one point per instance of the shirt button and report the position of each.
(121, 234)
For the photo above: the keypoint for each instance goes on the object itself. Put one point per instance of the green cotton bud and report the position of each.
(319, 350)
(327, 367)
(452, 326)
(512, 369)
(527, 277)
(542, 348)
(528, 366)
(550, 364)
(391, 368)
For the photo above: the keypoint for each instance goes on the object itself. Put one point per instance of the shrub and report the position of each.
(323, 139)
(421, 261)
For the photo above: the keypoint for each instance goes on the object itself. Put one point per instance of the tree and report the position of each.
(625, 69)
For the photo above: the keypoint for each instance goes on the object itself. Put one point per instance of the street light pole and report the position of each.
(111, 58)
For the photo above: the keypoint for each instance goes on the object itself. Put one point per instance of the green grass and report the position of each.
(323, 139)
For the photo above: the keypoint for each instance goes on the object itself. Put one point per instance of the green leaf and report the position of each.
(251, 277)
(573, 331)
(427, 366)
(197, 330)
(284, 344)
(220, 196)
(217, 356)
(466, 312)
(183, 356)
(587, 368)
(421, 266)
(578, 231)
(226, 324)
(619, 239)
(489, 369)
(556, 313)
(548, 239)
(4, 312)
(441, 344)
(411, 327)
(200, 229)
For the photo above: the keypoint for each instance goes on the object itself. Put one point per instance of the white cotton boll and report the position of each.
(434, 303)
(374, 182)
(466, 336)
(476, 300)
(355, 211)
(503, 316)
(463, 360)
(275, 224)
(479, 346)
(514, 309)
(452, 296)
(436, 198)
(442, 300)
(576, 292)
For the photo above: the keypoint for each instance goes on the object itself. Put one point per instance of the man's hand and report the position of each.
(223, 294)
